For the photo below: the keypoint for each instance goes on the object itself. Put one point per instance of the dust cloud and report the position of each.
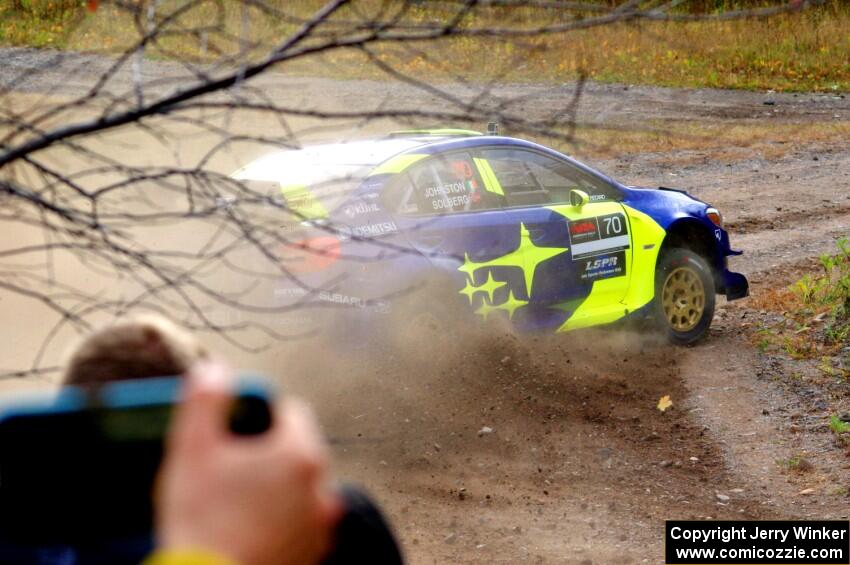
(490, 436)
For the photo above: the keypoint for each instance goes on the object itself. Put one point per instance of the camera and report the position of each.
(78, 467)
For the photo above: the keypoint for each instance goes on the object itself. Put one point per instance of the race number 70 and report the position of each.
(613, 225)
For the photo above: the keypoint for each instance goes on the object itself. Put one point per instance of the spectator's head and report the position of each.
(137, 348)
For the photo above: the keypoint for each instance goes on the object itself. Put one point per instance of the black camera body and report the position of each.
(77, 472)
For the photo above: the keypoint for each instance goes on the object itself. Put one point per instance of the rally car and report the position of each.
(509, 228)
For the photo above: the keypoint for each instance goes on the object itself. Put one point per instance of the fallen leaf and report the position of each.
(664, 402)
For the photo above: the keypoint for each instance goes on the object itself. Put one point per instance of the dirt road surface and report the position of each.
(550, 449)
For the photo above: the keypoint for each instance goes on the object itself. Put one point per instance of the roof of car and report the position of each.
(359, 158)
(347, 154)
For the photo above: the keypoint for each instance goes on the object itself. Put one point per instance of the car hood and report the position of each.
(674, 193)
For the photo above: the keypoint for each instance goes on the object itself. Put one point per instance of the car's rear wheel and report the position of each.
(684, 296)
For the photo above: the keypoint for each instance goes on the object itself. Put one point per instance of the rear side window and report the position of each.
(443, 184)
(528, 178)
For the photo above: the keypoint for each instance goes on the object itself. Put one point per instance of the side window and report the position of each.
(442, 184)
(528, 178)
(397, 196)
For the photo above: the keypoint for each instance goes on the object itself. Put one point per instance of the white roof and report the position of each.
(321, 162)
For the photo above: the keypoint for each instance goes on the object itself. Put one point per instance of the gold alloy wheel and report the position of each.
(683, 299)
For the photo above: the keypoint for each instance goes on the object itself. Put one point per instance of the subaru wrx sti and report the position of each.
(507, 227)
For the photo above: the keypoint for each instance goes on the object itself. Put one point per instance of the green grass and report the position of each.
(794, 52)
(840, 429)
(819, 305)
(35, 23)
(837, 426)
(796, 464)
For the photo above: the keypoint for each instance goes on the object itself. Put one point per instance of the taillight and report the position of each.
(715, 217)
(310, 255)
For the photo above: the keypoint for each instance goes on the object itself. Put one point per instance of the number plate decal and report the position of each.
(600, 235)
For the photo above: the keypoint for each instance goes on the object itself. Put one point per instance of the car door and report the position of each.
(576, 258)
(450, 215)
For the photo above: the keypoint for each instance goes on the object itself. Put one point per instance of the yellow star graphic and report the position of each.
(491, 286)
(534, 256)
(469, 267)
(511, 304)
(485, 310)
(512, 259)
(469, 290)
(488, 287)
(526, 256)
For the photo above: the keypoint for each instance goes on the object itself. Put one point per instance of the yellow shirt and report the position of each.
(187, 557)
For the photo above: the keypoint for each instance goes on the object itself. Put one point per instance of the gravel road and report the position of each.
(579, 466)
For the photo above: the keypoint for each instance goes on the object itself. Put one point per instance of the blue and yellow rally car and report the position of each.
(506, 227)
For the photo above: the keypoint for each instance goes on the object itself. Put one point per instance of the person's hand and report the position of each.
(256, 500)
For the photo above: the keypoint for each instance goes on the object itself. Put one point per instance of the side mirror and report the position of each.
(578, 198)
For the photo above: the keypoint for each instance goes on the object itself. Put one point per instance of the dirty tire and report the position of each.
(684, 296)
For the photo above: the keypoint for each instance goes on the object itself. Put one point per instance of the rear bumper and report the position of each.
(735, 285)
